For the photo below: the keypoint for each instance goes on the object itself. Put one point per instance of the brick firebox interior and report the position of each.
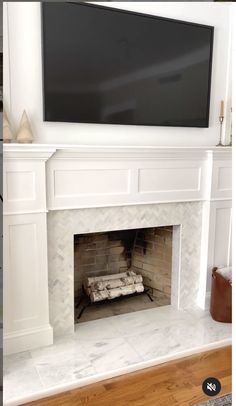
(146, 251)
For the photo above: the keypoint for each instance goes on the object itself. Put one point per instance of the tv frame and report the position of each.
(211, 28)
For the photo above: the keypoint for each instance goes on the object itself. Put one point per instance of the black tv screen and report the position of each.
(105, 65)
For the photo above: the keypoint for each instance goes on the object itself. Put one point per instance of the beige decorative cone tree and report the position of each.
(7, 133)
(24, 134)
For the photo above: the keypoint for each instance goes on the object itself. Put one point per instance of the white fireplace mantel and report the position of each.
(106, 150)
(48, 178)
(98, 176)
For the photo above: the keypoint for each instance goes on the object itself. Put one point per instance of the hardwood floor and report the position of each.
(175, 383)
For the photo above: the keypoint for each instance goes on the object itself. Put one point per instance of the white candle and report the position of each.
(222, 108)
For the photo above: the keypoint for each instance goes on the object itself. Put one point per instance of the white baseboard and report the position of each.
(207, 300)
(29, 339)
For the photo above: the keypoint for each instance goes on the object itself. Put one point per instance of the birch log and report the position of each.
(116, 292)
(103, 278)
(116, 283)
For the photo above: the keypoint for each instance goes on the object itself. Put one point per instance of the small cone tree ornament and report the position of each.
(7, 133)
(24, 134)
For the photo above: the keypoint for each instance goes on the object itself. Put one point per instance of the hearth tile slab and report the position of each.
(179, 336)
(69, 366)
(110, 354)
(20, 376)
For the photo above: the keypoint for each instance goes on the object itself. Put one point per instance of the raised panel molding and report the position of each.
(24, 186)
(220, 236)
(20, 186)
(25, 277)
(79, 182)
(23, 239)
(221, 187)
(96, 177)
(225, 179)
(222, 180)
(175, 179)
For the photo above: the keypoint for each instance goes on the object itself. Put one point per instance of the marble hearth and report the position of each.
(52, 193)
(110, 347)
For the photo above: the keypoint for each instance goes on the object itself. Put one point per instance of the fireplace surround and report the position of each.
(64, 224)
(52, 193)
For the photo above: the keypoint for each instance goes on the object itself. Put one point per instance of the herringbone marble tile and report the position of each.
(63, 224)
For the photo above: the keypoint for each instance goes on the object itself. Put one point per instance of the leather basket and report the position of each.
(221, 298)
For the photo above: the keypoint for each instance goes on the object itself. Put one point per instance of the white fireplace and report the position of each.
(53, 193)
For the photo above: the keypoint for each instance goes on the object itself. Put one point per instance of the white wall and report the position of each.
(23, 77)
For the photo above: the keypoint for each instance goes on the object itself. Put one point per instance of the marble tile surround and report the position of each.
(63, 224)
(109, 347)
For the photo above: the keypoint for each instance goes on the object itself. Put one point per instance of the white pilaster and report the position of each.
(26, 307)
(216, 220)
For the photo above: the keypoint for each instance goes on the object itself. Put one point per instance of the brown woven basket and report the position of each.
(221, 298)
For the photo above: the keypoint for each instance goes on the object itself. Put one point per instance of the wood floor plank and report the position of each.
(174, 383)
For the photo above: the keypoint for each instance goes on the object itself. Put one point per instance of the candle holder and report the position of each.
(221, 119)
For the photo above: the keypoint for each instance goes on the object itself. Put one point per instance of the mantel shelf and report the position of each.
(108, 152)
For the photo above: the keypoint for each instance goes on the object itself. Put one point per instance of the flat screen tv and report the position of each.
(111, 66)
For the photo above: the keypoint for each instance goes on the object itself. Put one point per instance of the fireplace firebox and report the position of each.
(114, 270)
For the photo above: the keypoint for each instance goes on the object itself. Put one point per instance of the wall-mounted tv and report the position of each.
(111, 66)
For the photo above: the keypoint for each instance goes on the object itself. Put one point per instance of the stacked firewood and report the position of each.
(111, 286)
